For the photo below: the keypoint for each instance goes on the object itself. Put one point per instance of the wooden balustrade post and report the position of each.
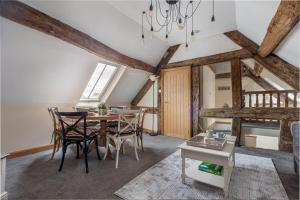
(256, 100)
(250, 100)
(286, 99)
(271, 99)
(278, 99)
(295, 99)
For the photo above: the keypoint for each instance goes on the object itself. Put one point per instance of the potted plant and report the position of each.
(102, 108)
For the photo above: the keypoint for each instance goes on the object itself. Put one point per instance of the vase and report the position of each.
(102, 111)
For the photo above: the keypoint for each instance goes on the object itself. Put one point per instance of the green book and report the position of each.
(211, 168)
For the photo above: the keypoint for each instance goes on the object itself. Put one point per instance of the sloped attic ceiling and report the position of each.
(253, 18)
(224, 13)
(106, 24)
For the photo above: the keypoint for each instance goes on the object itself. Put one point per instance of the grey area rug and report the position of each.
(252, 178)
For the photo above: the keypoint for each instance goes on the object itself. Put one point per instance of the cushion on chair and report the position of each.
(73, 135)
(114, 130)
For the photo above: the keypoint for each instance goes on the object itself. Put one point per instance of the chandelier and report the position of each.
(175, 13)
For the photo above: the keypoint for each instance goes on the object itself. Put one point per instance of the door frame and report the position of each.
(161, 86)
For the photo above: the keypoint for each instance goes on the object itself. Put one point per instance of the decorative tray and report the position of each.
(205, 142)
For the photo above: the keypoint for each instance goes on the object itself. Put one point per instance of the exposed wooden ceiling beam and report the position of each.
(286, 17)
(254, 113)
(206, 60)
(247, 71)
(166, 57)
(164, 60)
(30, 17)
(280, 68)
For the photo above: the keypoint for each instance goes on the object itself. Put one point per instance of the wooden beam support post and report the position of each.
(280, 68)
(286, 17)
(197, 99)
(285, 137)
(30, 17)
(236, 84)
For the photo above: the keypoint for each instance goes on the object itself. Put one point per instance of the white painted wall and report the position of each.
(223, 96)
(204, 47)
(39, 71)
(208, 92)
(127, 87)
(147, 101)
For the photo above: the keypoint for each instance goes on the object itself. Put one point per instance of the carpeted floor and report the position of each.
(36, 177)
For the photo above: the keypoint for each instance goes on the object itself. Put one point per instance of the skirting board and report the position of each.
(4, 196)
(148, 130)
(30, 151)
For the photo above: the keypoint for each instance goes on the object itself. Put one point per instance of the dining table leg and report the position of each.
(102, 135)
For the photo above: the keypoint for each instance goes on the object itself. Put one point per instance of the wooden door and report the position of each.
(176, 102)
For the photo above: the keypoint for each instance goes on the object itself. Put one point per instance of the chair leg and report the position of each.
(85, 151)
(63, 157)
(118, 146)
(54, 148)
(77, 146)
(106, 147)
(123, 146)
(138, 143)
(135, 146)
(97, 150)
(59, 142)
(142, 144)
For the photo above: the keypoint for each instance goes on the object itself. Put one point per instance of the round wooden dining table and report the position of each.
(103, 121)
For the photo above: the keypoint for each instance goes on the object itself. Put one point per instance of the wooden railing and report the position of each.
(276, 98)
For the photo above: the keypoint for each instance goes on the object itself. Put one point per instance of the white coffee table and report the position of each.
(224, 157)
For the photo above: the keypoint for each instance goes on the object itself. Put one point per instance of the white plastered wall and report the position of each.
(208, 92)
(147, 101)
(37, 71)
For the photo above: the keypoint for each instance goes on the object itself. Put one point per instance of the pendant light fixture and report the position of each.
(175, 13)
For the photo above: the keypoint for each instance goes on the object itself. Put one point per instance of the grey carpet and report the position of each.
(36, 177)
(252, 178)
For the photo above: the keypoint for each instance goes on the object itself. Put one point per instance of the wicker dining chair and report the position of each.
(126, 129)
(73, 134)
(56, 133)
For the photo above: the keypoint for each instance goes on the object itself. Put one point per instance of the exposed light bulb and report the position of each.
(193, 36)
(143, 39)
(180, 25)
(151, 10)
(213, 18)
(152, 32)
(186, 47)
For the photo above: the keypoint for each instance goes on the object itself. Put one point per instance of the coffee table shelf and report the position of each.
(223, 157)
(194, 173)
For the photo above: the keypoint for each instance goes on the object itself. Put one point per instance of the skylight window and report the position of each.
(99, 81)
